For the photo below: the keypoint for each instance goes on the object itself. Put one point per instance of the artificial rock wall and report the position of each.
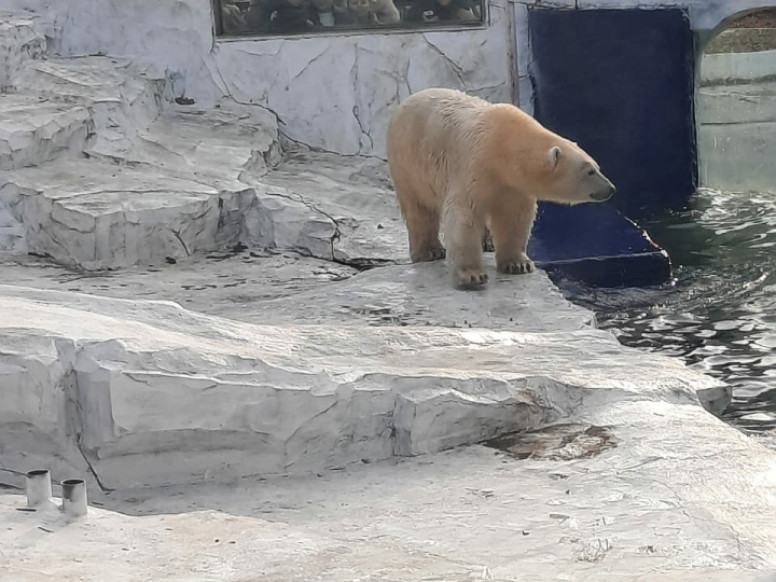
(330, 91)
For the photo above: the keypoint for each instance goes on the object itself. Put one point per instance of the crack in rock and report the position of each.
(67, 354)
(457, 70)
(337, 232)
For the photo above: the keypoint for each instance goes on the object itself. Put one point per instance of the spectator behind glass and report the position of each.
(326, 12)
(231, 16)
(301, 15)
(385, 11)
(441, 11)
(282, 15)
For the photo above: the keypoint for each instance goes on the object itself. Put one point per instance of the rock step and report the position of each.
(277, 287)
(738, 104)
(34, 130)
(205, 178)
(94, 214)
(225, 143)
(357, 195)
(738, 68)
(20, 41)
(155, 394)
(188, 182)
(99, 215)
(119, 95)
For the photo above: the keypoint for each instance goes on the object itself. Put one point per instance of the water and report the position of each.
(719, 312)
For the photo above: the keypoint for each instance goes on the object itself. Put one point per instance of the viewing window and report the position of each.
(274, 17)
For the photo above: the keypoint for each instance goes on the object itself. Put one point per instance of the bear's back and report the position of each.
(435, 120)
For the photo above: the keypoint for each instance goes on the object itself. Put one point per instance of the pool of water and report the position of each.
(719, 312)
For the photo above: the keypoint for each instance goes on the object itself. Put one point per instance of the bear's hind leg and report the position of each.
(463, 240)
(511, 222)
(423, 230)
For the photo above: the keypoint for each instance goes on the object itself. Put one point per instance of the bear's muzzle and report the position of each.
(605, 194)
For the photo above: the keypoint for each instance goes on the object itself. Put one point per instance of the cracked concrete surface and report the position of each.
(21, 40)
(33, 129)
(302, 397)
(670, 509)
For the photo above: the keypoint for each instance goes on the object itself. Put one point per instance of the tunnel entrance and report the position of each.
(736, 106)
(621, 84)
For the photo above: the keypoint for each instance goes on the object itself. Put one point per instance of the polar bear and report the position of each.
(468, 165)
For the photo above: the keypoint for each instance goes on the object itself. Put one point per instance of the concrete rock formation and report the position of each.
(188, 297)
(153, 394)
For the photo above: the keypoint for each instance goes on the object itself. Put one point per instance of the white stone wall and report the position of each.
(330, 91)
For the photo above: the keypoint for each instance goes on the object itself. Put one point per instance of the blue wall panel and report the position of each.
(620, 83)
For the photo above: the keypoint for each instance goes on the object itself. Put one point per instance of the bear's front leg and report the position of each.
(511, 221)
(463, 243)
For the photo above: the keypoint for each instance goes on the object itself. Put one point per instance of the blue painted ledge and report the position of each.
(595, 244)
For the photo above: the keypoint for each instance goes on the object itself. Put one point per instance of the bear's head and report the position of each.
(573, 177)
(527, 158)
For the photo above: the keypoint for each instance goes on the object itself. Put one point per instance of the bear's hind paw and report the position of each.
(470, 278)
(428, 255)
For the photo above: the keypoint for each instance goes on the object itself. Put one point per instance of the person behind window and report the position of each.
(282, 16)
(384, 11)
(334, 13)
(366, 12)
(326, 13)
(254, 18)
(360, 12)
(441, 11)
(232, 18)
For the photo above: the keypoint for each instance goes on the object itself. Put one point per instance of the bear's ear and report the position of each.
(555, 155)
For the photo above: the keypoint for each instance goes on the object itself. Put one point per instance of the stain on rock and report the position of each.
(563, 442)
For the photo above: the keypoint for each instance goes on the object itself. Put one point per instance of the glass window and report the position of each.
(278, 17)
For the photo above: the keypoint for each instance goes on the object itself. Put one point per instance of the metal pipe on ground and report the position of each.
(38, 487)
(74, 497)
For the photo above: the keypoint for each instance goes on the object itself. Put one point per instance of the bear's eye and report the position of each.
(591, 172)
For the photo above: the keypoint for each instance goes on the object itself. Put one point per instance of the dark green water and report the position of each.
(719, 312)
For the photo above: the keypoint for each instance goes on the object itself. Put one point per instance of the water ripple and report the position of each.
(719, 311)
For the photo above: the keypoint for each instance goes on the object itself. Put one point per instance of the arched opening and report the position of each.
(736, 105)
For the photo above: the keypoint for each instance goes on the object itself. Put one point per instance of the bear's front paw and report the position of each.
(470, 278)
(518, 266)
